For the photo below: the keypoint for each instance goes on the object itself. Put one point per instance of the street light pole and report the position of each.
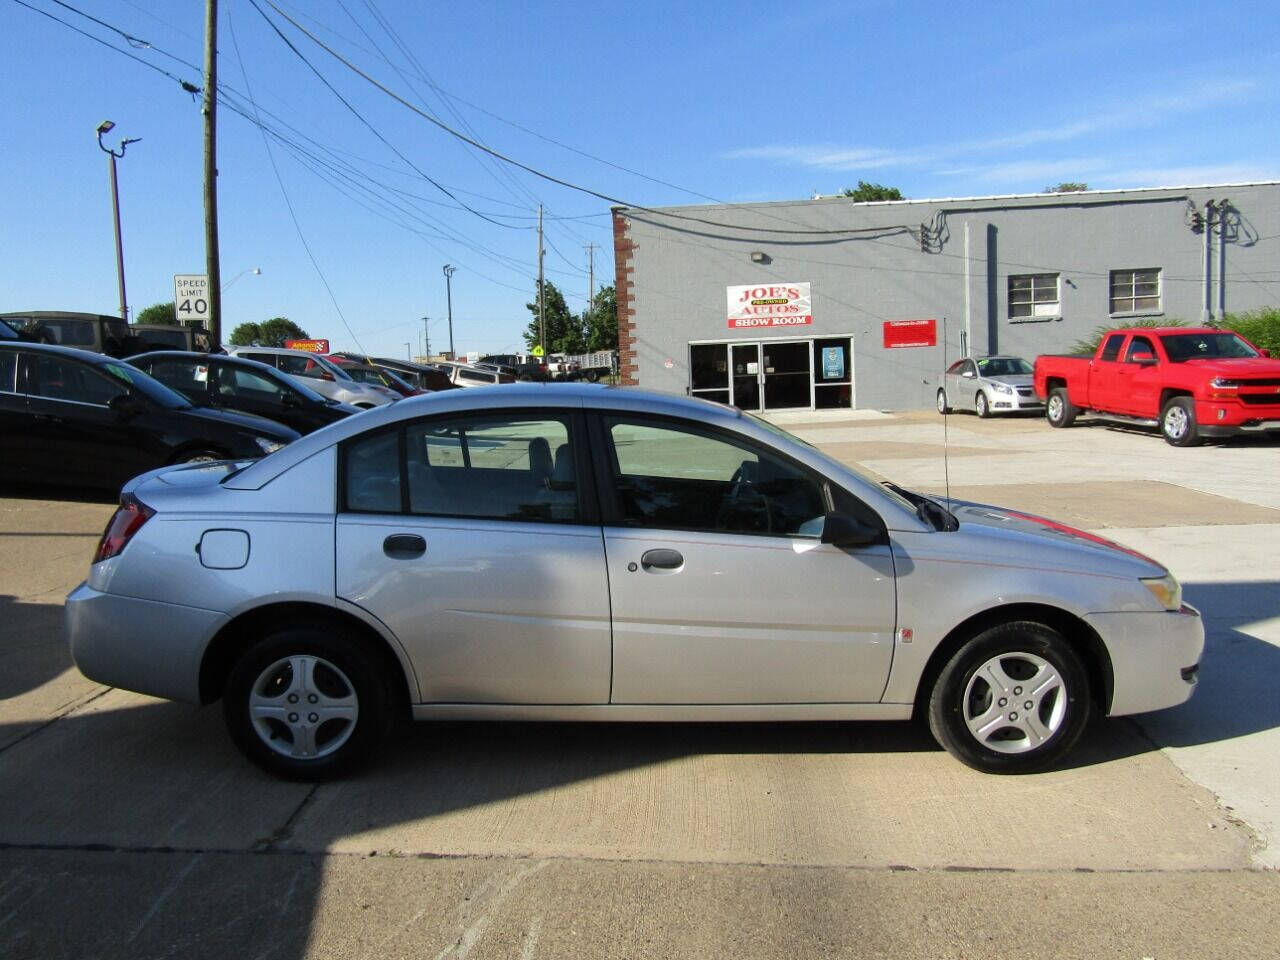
(448, 292)
(105, 127)
(426, 339)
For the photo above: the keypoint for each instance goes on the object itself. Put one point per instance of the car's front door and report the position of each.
(722, 590)
(474, 537)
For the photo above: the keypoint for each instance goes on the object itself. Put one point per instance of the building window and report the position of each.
(1135, 291)
(1034, 296)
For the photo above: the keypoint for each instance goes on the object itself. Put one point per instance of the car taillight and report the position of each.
(125, 522)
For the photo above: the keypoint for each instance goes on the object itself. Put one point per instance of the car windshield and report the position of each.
(1003, 367)
(149, 387)
(1182, 347)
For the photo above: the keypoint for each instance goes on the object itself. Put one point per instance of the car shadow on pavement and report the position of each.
(32, 649)
(1240, 671)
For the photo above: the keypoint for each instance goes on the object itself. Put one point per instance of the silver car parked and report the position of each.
(988, 385)
(580, 552)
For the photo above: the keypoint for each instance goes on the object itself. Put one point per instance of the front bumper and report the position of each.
(1152, 657)
(140, 645)
(1219, 418)
(1011, 403)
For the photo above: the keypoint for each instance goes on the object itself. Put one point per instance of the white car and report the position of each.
(323, 376)
(574, 552)
(988, 385)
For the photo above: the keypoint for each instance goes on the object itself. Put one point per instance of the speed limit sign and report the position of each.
(191, 298)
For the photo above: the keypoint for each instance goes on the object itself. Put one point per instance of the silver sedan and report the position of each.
(988, 385)
(579, 552)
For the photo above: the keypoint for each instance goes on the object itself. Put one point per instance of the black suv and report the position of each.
(85, 331)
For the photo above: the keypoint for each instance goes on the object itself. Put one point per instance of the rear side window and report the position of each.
(490, 467)
(58, 379)
(8, 371)
(1112, 349)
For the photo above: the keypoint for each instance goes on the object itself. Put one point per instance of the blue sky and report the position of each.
(656, 104)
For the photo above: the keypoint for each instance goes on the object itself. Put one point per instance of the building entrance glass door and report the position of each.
(745, 359)
(787, 375)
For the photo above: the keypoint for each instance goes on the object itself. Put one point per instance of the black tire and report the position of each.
(1059, 410)
(1178, 422)
(981, 406)
(592, 376)
(943, 407)
(201, 455)
(343, 674)
(992, 683)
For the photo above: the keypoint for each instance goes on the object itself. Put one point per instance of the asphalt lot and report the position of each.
(133, 829)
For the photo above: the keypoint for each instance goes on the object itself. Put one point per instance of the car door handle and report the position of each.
(662, 559)
(404, 546)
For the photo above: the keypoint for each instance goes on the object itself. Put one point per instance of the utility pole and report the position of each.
(449, 271)
(209, 110)
(106, 126)
(1206, 312)
(542, 321)
(1221, 315)
(591, 275)
(426, 339)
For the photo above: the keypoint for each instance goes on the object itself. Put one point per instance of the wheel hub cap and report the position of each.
(1015, 702)
(275, 699)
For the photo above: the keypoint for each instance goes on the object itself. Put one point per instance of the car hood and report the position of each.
(244, 421)
(1236, 366)
(1027, 538)
(1014, 379)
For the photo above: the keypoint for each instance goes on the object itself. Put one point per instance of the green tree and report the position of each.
(269, 333)
(1260, 327)
(1067, 186)
(865, 192)
(564, 330)
(157, 313)
(600, 323)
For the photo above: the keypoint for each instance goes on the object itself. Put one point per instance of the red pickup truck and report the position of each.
(1191, 382)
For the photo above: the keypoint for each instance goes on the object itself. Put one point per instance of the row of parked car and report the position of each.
(80, 417)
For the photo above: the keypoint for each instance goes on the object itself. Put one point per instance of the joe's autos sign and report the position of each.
(771, 305)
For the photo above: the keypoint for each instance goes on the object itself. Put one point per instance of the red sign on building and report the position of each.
(911, 333)
(311, 346)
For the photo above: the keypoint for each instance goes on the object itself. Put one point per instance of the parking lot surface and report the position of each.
(133, 828)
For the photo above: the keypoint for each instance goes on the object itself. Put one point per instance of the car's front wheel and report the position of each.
(943, 406)
(1178, 422)
(981, 406)
(306, 703)
(1013, 699)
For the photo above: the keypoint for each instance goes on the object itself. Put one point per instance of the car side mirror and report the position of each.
(125, 404)
(1144, 360)
(841, 530)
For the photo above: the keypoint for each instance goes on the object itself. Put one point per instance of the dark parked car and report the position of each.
(147, 337)
(380, 376)
(424, 376)
(234, 383)
(7, 332)
(71, 417)
(85, 331)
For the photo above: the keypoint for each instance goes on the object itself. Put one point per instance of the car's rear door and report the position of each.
(475, 538)
(721, 589)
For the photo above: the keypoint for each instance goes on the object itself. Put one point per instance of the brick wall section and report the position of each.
(623, 247)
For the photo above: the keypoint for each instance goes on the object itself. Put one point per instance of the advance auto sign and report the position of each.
(774, 305)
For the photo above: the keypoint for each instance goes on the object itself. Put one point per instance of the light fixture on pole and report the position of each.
(256, 271)
(105, 127)
(448, 290)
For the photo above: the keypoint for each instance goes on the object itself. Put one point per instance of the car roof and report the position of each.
(285, 350)
(87, 356)
(199, 355)
(568, 396)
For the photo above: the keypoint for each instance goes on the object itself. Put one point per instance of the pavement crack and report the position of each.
(281, 835)
(67, 708)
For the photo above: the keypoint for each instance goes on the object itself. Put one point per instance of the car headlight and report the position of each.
(1166, 590)
(1002, 388)
(267, 445)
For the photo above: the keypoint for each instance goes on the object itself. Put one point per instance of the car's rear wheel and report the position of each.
(1178, 422)
(980, 405)
(1013, 699)
(307, 703)
(1059, 410)
(943, 406)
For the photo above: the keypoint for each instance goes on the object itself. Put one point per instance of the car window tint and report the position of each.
(1139, 346)
(688, 480)
(188, 378)
(59, 379)
(236, 382)
(476, 376)
(371, 473)
(493, 467)
(8, 371)
(268, 358)
(298, 366)
(1112, 349)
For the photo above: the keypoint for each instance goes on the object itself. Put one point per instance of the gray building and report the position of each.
(827, 303)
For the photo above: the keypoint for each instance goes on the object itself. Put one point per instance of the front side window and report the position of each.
(676, 477)
(1135, 291)
(242, 384)
(1140, 348)
(58, 379)
(188, 378)
(1033, 295)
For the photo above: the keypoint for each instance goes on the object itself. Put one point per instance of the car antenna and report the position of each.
(946, 415)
